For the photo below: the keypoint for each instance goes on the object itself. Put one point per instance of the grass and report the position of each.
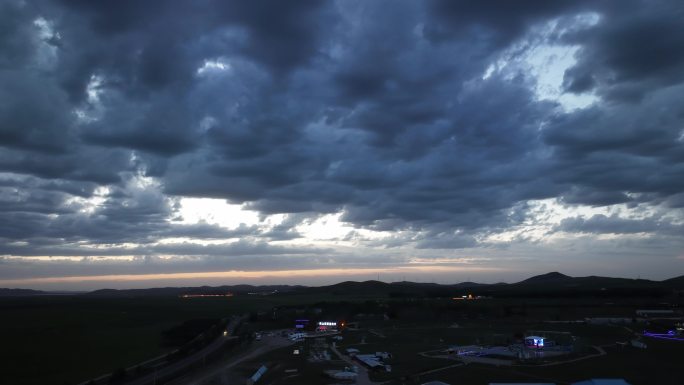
(70, 339)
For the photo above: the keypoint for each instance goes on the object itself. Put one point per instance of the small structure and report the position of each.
(352, 352)
(521, 383)
(257, 375)
(603, 381)
(324, 326)
(344, 375)
(654, 312)
(296, 336)
(534, 342)
(370, 360)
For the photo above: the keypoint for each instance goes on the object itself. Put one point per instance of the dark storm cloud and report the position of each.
(636, 48)
(17, 39)
(609, 150)
(281, 35)
(496, 22)
(446, 241)
(601, 224)
(378, 110)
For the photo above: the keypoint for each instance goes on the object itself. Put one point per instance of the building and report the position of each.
(534, 342)
(603, 381)
(521, 383)
(352, 352)
(370, 360)
(655, 313)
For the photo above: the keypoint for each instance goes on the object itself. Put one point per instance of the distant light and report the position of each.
(666, 336)
(205, 295)
(327, 323)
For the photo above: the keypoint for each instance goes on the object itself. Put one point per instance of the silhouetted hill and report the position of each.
(675, 283)
(555, 284)
(608, 282)
(547, 278)
(19, 292)
(355, 288)
(397, 289)
(473, 284)
(177, 291)
(549, 284)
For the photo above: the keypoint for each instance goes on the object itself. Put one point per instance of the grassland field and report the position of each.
(69, 339)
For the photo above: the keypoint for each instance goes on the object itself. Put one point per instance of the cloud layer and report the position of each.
(440, 127)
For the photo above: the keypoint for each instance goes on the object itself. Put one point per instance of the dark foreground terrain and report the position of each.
(70, 339)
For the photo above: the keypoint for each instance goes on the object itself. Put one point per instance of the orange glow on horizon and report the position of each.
(238, 274)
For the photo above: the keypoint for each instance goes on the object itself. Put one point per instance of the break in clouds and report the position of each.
(490, 137)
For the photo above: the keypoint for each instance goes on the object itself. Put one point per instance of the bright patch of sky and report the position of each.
(545, 214)
(215, 65)
(329, 229)
(46, 54)
(89, 205)
(92, 108)
(216, 211)
(326, 227)
(546, 62)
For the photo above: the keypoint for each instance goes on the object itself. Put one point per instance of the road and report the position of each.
(196, 356)
(255, 349)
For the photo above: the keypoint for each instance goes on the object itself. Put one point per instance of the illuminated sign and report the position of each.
(670, 335)
(327, 323)
(534, 341)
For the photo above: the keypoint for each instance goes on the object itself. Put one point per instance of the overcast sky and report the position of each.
(153, 143)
